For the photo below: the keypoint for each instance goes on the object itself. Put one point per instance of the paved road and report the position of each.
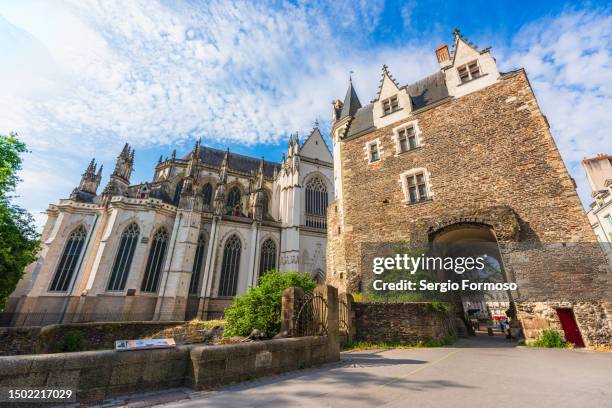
(478, 372)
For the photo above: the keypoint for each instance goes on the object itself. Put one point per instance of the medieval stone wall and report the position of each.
(487, 150)
(407, 323)
(490, 160)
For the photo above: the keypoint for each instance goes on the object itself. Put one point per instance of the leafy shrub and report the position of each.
(260, 307)
(72, 341)
(438, 306)
(550, 339)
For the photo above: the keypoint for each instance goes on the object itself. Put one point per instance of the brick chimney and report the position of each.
(443, 55)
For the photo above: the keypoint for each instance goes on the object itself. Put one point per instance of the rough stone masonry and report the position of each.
(488, 160)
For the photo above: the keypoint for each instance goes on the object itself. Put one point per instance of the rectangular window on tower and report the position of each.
(417, 188)
(374, 156)
(407, 139)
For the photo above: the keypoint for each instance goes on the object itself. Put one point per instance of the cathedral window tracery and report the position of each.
(197, 265)
(268, 256)
(207, 195)
(155, 262)
(230, 266)
(233, 202)
(316, 203)
(68, 261)
(123, 260)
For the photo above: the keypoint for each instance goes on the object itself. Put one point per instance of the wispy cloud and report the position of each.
(569, 63)
(87, 75)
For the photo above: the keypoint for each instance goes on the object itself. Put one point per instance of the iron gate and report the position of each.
(311, 319)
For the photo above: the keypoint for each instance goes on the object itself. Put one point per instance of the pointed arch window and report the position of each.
(266, 203)
(230, 266)
(268, 256)
(233, 201)
(123, 260)
(316, 203)
(207, 195)
(197, 265)
(155, 261)
(177, 193)
(68, 261)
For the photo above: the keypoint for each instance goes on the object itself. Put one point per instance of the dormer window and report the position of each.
(390, 105)
(469, 71)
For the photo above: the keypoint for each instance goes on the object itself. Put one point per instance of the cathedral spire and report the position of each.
(220, 192)
(260, 174)
(124, 164)
(90, 181)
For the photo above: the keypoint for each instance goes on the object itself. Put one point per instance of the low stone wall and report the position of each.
(212, 366)
(96, 336)
(99, 375)
(407, 323)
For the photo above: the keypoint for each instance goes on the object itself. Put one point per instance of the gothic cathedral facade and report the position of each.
(183, 245)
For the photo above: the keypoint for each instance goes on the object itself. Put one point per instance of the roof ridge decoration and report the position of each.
(458, 36)
(385, 72)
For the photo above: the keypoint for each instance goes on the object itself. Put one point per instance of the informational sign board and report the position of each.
(143, 344)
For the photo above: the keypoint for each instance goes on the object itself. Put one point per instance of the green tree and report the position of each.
(18, 236)
(260, 307)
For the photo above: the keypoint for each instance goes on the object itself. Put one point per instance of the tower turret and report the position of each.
(90, 181)
(120, 178)
(220, 192)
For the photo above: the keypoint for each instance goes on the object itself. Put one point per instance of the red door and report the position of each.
(568, 323)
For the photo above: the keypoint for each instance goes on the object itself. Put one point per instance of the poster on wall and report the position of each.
(143, 344)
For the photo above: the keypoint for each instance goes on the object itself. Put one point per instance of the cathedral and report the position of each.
(183, 245)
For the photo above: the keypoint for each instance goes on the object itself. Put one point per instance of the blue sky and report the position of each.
(81, 78)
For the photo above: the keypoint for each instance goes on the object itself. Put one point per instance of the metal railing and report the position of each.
(311, 318)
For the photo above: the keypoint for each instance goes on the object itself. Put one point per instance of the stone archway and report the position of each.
(475, 238)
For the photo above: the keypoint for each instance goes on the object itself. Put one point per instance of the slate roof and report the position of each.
(351, 102)
(428, 90)
(236, 161)
(363, 120)
(422, 93)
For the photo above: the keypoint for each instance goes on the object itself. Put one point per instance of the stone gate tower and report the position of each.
(466, 153)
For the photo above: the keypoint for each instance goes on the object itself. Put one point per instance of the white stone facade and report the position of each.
(599, 174)
(195, 212)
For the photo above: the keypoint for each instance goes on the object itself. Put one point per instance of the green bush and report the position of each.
(72, 341)
(550, 339)
(260, 307)
(438, 306)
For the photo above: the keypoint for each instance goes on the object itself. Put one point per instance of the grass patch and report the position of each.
(395, 344)
(550, 339)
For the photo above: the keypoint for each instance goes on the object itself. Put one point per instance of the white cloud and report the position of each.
(568, 62)
(90, 74)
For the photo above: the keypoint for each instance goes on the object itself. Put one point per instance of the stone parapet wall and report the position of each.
(407, 323)
(99, 375)
(48, 339)
(212, 366)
